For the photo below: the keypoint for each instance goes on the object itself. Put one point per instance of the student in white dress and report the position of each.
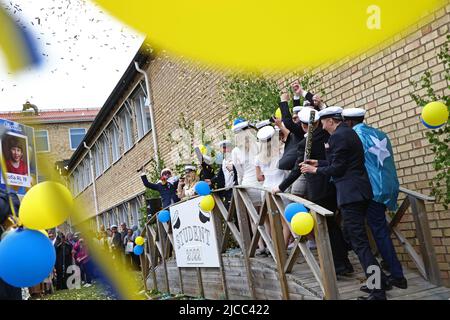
(271, 150)
(243, 158)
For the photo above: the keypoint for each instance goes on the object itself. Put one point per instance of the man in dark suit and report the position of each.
(319, 189)
(345, 165)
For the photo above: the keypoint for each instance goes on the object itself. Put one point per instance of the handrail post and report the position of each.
(331, 290)
(423, 233)
(279, 244)
(244, 229)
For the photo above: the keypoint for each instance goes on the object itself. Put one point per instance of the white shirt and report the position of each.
(245, 167)
(272, 175)
(229, 175)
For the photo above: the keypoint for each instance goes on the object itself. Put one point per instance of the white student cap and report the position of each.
(224, 143)
(262, 124)
(189, 167)
(240, 125)
(353, 113)
(297, 109)
(331, 112)
(265, 134)
(304, 115)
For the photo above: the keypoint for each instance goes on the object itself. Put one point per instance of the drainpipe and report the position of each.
(94, 186)
(150, 107)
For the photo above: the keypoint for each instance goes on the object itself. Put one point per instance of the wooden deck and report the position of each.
(301, 282)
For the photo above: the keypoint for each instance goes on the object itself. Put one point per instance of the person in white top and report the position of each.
(271, 150)
(243, 157)
(186, 186)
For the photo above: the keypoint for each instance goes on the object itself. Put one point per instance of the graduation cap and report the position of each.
(331, 112)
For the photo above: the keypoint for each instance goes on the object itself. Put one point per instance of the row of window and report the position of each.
(130, 124)
(127, 212)
(76, 135)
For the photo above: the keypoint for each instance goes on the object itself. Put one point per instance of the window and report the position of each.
(42, 143)
(115, 144)
(127, 129)
(135, 213)
(97, 161)
(141, 112)
(105, 152)
(87, 172)
(76, 136)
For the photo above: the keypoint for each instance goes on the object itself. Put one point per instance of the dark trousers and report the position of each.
(376, 220)
(86, 272)
(354, 215)
(337, 242)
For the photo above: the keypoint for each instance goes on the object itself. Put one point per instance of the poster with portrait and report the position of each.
(17, 148)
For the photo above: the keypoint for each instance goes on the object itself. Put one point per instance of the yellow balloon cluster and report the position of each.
(45, 206)
(302, 223)
(207, 203)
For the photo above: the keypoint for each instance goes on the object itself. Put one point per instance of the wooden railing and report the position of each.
(426, 262)
(246, 226)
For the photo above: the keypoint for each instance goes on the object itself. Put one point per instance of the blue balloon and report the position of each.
(138, 250)
(202, 188)
(164, 216)
(292, 209)
(27, 257)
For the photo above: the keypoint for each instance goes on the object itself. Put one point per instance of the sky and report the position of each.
(85, 53)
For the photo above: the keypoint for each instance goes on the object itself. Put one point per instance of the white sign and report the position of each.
(194, 236)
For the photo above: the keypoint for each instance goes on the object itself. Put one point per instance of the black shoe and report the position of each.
(386, 287)
(374, 295)
(401, 283)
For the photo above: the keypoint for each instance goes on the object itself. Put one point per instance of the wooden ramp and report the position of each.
(301, 282)
(297, 274)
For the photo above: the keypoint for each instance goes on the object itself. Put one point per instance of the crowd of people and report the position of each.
(345, 166)
(73, 249)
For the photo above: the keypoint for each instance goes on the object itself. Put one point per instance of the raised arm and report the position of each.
(148, 184)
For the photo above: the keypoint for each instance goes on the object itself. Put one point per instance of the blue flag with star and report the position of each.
(379, 161)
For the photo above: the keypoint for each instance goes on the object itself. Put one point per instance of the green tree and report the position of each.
(439, 139)
(255, 97)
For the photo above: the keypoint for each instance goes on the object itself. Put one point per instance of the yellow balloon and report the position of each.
(207, 203)
(435, 115)
(278, 114)
(45, 206)
(242, 35)
(302, 223)
(139, 241)
(203, 149)
(44, 232)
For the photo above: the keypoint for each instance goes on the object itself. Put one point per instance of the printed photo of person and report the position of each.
(15, 154)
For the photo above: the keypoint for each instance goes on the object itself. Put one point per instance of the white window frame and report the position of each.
(104, 143)
(70, 136)
(127, 129)
(97, 161)
(48, 141)
(115, 142)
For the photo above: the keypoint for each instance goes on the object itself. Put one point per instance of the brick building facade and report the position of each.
(378, 80)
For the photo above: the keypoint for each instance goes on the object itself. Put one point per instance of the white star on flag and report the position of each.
(379, 149)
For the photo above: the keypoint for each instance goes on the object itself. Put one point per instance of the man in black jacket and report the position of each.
(319, 189)
(345, 165)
